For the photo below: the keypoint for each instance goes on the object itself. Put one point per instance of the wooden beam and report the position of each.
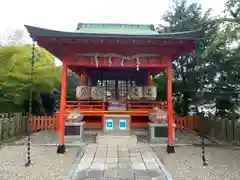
(70, 50)
(87, 41)
(103, 62)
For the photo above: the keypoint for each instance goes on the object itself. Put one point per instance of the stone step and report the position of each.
(116, 139)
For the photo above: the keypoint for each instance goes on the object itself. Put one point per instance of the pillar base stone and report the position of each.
(61, 149)
(170, 149)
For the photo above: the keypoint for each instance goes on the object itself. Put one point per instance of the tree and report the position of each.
(73, 80)
(15, 75)
(225, 85)
(160, 82)
(184, 17)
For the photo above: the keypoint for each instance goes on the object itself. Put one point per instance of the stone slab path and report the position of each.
(125, 162)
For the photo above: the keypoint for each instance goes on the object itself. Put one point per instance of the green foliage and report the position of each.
(217, 61)
(184, 17)
(73, 81)
(225, 50)
(160, 82)
(15, 73)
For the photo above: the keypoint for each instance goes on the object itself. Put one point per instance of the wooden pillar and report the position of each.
(84, 78)
(170, 147)
(61, 146)
(149, 79)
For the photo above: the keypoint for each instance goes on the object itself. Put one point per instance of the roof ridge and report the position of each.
(114, 25)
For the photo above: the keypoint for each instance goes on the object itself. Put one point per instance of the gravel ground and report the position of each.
(186, 163)
(47, 164)
(51, 138)
(182, 138)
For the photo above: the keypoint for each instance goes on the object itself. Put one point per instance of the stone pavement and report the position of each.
(113, 162)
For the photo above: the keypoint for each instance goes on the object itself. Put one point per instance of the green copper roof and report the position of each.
(127, 29)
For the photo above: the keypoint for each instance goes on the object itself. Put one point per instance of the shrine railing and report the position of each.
(145, 104)
(85, 105)
(39, 123)
(102, 105)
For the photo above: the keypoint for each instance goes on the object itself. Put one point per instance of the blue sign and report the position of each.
(122, 124)
(109, 124)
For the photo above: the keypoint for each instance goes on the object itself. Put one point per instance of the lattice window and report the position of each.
(99, 83)
(122, 89)
(110, 88)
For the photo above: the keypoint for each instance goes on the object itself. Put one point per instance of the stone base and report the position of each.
(61, 149)
(116, 139)
(116, 123)
(158, 133)
(74, 131)
(170, 149)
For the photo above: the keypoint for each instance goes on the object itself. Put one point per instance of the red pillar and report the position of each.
(84, 78)
(61, 146)
(170, 147)
(149, 80)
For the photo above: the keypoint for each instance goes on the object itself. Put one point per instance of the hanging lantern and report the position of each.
(83, 92)
(97, 93)
(136, 92)
(150, 93)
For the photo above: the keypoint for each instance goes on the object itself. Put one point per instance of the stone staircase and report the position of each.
(116, 139)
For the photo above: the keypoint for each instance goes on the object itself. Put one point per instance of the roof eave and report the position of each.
(36, 33)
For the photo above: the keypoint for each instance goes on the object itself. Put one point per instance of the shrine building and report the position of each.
(116, 63)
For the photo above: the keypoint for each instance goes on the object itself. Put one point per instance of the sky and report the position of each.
(65, 14)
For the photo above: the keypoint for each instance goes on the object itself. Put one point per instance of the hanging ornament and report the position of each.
(110, 61)
(122, 61)
(138, 63)
(96, 60)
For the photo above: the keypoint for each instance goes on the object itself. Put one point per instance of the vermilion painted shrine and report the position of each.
(116, 63)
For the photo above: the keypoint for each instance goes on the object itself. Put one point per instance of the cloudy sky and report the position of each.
(65, 14)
